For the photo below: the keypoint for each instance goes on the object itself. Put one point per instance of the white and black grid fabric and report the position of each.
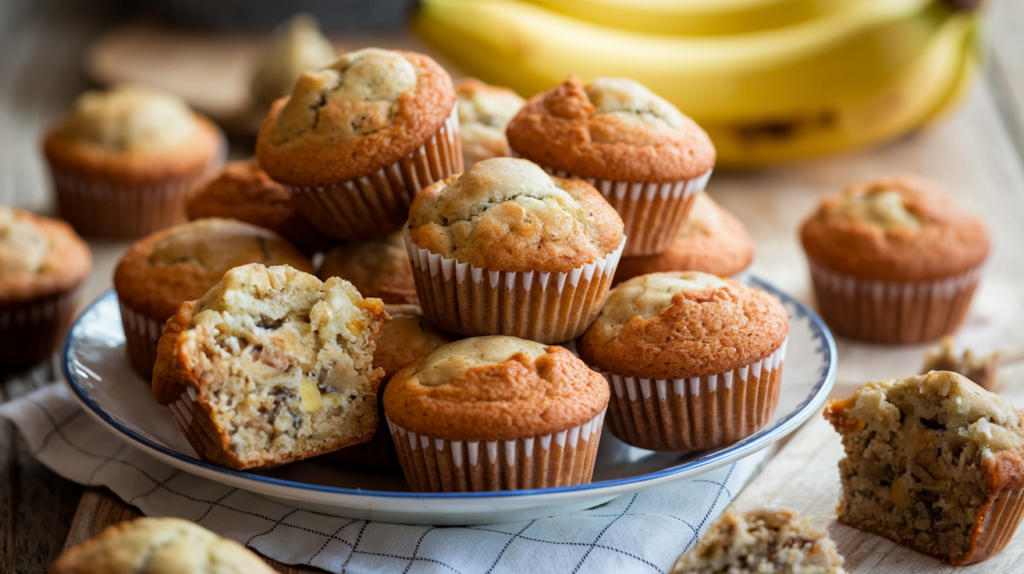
(641, 532)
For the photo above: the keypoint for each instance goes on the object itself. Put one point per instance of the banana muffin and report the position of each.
(506, 249)
(648, 159)
(124, 161)
(159, 545)
(484, 113)
(157, 274)
(42, 265)
(271, 366)
(933, 462)
(694, 360)
(378, 268)
(496, 413)
(894, 260)
(405, 340)
(762, 541)
(243, 191)
(357, 140)
(711, 241)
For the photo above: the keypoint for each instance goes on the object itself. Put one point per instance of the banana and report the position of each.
(693, 17)
(863, 73)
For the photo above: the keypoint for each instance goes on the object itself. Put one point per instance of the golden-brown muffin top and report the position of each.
(158, 545)
(612, 128)
(495, 388)
(38, 256)
(683, 324)
(894, 229)
(507, 214)
(130, 118)
(378, 268)
(406, 339)
(295, 47)
(182, 263)
(712, 241)
(365, 111)
(244, 192)
(484, 113)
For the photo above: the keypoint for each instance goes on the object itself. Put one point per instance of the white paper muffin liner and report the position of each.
(378, 203)
(893, 312)
(142, 338)
(31, 330)
(544, 307)
(439, 465)
(652, 213)
(695, 413)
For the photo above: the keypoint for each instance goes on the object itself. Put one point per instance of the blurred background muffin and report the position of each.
(378, 268)
(484, 113)
(42, 265)
(124, 161)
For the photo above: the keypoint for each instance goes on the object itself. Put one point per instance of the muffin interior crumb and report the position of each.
(761, 541)
(286, 361)
(916, 448)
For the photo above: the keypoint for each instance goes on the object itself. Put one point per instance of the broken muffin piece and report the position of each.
(933, 462)
(762, 541)
(982, 370)
(271, 366)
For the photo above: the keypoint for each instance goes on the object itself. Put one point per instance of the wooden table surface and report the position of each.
(977, 155)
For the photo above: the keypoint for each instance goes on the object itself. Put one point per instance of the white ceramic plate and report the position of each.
(101, 379)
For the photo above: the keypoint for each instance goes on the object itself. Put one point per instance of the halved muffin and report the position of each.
(271, 366)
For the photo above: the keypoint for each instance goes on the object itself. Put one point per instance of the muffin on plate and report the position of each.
(893, 260)
(694, 360)
(357, 140)
(378, 268)
(484, 113)
(933, 462)
(159, 545)
(405, 340)
(159, 273)
(124, 161)
(648, 160)
(496, 413)
(243, 191)
(712, 241)
(506, 249)
(42, 265)
(762, 541)
(271, 366)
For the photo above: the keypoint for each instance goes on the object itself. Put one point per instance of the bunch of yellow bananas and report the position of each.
(770, 80)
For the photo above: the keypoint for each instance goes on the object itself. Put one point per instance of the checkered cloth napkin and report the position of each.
(640, 532)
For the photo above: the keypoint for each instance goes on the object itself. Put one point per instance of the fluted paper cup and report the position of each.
(378, 204)
(889, 311)
(141, 338)
(1001, 514)
(652, 213)
(695, 413)
(439, 465)
(31, 330)
(198, 427)
(544, 307)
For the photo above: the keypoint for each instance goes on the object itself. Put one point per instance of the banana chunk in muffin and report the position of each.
(272, 366)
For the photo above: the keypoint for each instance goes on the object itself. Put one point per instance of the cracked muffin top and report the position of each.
(182, 263)
(712, 241)
(484, 113)
(38, 256)
(135, 131)
(495, 388)
(244, 192)
(162, 545)
(683, 324)
(364, 112)
(507, 214)
(894, 229)
(612, 128)
(378, 268)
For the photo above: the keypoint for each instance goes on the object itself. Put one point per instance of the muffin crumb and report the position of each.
(983, 370)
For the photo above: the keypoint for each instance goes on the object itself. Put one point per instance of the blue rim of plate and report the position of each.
(745, 447)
